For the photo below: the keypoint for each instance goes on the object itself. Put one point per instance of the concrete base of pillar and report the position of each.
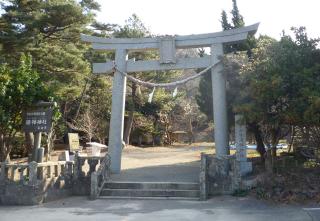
(219, 179)
(225, 174)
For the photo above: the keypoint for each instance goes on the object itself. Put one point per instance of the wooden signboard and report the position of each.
(74, 144)
(38, 120)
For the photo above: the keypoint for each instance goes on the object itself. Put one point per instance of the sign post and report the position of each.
(74, 143)
(37, 120)
(74, 146)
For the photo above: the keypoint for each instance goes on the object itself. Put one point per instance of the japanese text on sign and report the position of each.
(38, 121)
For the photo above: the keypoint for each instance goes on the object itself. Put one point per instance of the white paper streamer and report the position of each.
(151, 95)
(175, 92)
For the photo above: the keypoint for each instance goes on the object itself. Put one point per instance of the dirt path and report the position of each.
(178, 163)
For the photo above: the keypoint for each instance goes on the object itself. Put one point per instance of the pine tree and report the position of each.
(237, 18)
(204, 98)
(224, 21)
(50, 32)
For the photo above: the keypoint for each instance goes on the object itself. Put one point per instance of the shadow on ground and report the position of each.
(180, 172)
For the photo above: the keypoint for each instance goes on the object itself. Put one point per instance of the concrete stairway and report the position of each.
(151, 190)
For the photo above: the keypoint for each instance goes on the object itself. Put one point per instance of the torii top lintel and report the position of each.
(186, 41)
(167, 46)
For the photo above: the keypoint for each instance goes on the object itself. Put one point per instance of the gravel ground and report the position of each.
(179, 163)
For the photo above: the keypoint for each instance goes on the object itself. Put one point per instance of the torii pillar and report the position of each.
(219, 102)
(117, 112)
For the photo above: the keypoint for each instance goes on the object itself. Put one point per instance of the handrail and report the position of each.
(100, 177)
(33, 172)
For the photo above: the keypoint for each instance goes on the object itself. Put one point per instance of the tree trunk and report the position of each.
(275, 140)
(293, 133)
(139, 140)
(272, 152)
(190, 131)
(2, 147)
(128, 128)
(50, 144)
(268, 162)
(259, 141)
(156, 136)
(5, 149)
(308, 137)
(29, 139)
(81, 99)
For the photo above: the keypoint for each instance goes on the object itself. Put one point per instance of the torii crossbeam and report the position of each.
(167, 46)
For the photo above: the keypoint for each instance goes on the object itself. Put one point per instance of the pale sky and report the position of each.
(184, 17)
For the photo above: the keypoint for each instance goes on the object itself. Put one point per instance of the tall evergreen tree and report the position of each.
(224, 21)
(20, 87)
(204, 99)
(237, 18)
(280, 87)
(50, 32)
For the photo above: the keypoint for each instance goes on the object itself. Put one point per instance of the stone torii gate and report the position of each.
(167, 46)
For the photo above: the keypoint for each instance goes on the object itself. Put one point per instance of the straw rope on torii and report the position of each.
(165, 85)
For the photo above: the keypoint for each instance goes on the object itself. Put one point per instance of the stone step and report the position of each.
(152, 185)
(149, 198)
(150, 193)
